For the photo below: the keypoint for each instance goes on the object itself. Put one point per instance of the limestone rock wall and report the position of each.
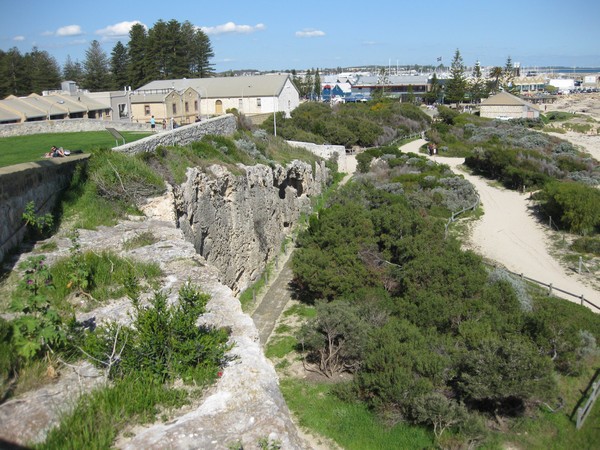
(238, 222)
(40, 182)
(223, 126)
(68, 126)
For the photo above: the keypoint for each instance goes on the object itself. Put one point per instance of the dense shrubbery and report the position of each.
(573, 205)
(369, 124)
(431, 335)
(510, 152)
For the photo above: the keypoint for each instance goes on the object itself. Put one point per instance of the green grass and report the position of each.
(300, 310)
(22, 149)
(280, 346)
(351, 425)
(99, 416)
(140, 240)
(107, 276)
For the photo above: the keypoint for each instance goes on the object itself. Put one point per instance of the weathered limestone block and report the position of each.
(238, 222)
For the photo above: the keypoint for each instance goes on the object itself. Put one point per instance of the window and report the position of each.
(240, 104)
(258, 104)
(174, 108)
(187, 107)
(195, 105)
(147, 110)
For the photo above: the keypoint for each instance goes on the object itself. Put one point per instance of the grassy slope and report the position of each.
(21, 149)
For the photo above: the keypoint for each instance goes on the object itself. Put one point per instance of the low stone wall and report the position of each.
(325, 151)
(40, 182)
(68, 126)
(223, 126)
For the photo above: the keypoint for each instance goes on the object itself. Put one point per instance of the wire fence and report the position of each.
(551, 288)
(452, 218)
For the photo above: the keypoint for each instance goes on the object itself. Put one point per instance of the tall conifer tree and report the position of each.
(96, 68)
(119, 61)
(457, 84)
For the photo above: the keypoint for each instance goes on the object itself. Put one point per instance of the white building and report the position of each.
(186, 100)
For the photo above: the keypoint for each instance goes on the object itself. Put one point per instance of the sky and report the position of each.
(279, 35)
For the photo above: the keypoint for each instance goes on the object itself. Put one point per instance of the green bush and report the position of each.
(164, 341)
(588, 244)
(574, 205)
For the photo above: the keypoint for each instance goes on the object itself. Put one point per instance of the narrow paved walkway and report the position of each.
(511, 235)
(272, 303)
(277, 293)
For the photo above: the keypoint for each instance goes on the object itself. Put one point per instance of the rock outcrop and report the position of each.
(238, 222)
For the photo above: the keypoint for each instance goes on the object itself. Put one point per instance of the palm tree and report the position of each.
(496, 73)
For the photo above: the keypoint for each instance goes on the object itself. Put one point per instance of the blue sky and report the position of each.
(271, 35)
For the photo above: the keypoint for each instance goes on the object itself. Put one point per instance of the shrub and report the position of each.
(164, 341)
(575, 205)
(587, 244)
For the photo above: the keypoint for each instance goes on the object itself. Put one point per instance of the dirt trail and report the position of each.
(509, 233)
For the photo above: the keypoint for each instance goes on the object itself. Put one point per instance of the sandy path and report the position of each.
(509, 234)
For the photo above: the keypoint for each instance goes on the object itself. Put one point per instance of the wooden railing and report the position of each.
(584, 410)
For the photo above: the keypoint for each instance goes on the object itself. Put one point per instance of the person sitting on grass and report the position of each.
(55, 152)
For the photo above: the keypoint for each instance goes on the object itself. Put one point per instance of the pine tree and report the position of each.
(72, 71)
(96, 68)
(156, 55)
(508, 76)
(119, 61)
(41, 71)
(12, 74)
(457, 84)
(136, 50)
(477, 87)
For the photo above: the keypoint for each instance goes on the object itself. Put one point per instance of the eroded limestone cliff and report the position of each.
(238, 222)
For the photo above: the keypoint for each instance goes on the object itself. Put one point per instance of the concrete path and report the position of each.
(510, 234)
(272, 303)
(277, 293)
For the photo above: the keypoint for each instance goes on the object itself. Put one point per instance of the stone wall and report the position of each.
(223, 126)
(238, 222)
(326, 151)
(68, 126)
(40, 182)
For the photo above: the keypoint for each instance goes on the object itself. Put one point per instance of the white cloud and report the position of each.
(231, 27)
(118, 30)
(309, 33)
(19, 38)
(69, 30)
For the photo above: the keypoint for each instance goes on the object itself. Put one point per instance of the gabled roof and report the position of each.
(223, 87)
(505, 99)
(7, 115)
(16, 104)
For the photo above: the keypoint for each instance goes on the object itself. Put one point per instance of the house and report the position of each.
(507, 106)
(187, 100)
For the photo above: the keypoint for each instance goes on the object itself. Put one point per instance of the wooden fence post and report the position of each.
(550, 289)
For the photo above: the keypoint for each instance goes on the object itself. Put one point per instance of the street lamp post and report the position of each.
(242, 104)
(60, 102)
